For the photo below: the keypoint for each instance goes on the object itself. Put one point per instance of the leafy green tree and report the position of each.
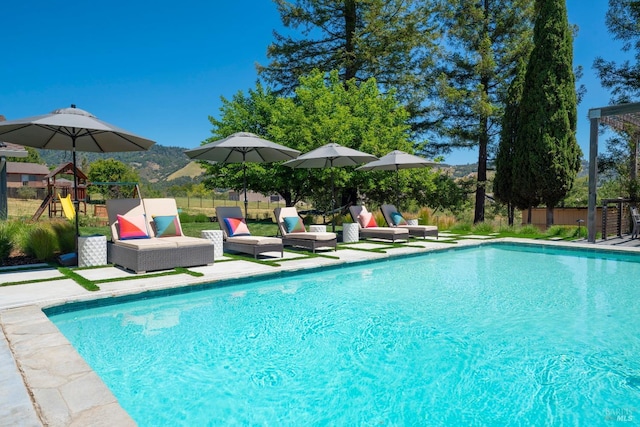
(485, 40)
(253, 112)
(113, 172)
(547, 155)
(437, 190)
(620, 162)
(393, 41)
(623, 21)
(323, 109)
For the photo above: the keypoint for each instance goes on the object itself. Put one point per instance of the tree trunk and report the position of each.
(510, 213)
(288, 199)
(549, 216)
(349, 197)
(350, 21)
(529, 214)
(481, 189)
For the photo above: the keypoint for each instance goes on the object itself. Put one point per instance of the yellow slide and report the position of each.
(67, 206)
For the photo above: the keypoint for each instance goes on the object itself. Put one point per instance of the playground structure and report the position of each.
(60, 193)
(59, 198)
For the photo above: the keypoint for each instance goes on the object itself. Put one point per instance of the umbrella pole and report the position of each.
(76, 203)
(244, 179)
(333, 202)
(397, 190)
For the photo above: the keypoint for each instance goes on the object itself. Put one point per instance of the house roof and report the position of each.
(66, 168)
(27, 168)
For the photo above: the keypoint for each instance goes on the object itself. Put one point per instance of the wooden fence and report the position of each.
(615, 222)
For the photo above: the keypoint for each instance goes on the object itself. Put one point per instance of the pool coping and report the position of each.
(63, 390)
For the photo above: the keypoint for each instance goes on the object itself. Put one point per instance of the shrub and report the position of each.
(65, 232)
(6, 243)
(42, 244)
(529, 230)
(26, 193)
(462, 227)
(483, 228)
(445, 222)
(19, 232)
(201, 217)
(425, 216)
(185, 218)
(507, 229)
(557, 231)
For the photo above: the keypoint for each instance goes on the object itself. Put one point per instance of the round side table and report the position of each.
(318, 228)
(350, 233)
(216, 236)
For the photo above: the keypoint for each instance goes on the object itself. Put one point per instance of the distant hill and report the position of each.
(155, 165)
(163, 164)
(191, 170)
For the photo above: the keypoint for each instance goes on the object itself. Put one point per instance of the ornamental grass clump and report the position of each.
(66, 234)
(42, 243)
(6, 243)
(13, 238)
(529, 230)
(483, 228)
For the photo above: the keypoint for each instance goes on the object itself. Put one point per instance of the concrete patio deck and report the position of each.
(44, 381)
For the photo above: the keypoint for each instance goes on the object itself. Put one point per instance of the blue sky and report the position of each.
(158, 69)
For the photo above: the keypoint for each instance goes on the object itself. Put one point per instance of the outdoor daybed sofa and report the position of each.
(395, 219)
(146, 236)
(238, 238)
(294, 233)
(369, 229)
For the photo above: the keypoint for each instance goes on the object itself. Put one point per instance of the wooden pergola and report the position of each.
(618, 117)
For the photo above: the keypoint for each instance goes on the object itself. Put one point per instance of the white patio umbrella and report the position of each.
(328, 156)
(71, 129)
(397, 160)
(243, 147)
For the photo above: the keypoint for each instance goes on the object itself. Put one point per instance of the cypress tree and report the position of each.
(503, 189)
(547, 155)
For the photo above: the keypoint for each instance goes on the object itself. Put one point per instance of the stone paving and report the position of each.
(45, 382)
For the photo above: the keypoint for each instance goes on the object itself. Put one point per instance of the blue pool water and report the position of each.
(496, 335)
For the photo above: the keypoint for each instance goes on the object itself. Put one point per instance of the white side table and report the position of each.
(412, 222)
(318, 228)
(92, 250)
(216, 236)
(350, 232)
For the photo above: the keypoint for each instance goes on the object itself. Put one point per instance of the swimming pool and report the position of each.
(495, 335)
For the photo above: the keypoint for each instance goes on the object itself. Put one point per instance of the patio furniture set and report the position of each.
(147, 234)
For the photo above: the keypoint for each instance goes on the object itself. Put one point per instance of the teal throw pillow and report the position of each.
(398, 219)
(167, 226)
(294, 224)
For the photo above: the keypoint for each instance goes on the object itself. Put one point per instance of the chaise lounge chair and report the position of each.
(395, 219)
(294, 233)
(238, 238)
(146, 236)
(368, 228)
